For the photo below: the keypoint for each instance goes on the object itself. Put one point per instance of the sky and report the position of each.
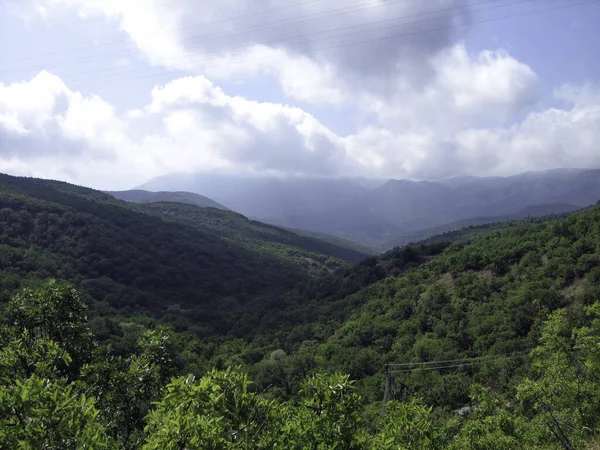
(111, 93)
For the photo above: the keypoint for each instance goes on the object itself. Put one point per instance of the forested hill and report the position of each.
(254, 234)
(492, 343)
(148, 257)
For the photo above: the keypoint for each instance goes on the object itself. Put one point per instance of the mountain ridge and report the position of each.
(371, 213)
(142, 196)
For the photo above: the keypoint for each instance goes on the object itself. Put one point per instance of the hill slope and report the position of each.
(457, 321)
(484, 297)
(526, 213)
(251, 233)
(136, 257)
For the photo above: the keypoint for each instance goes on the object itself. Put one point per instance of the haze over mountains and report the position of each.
(141, 196)
(380, 213)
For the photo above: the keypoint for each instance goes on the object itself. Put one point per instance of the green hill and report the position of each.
(484, 338)
(147, 257)
(256, 235)
(553, 209)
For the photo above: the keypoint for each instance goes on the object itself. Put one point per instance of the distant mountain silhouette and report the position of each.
(189, 198)
(373, 212)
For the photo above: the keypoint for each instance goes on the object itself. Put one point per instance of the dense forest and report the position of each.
(149, 258)
(173, 326)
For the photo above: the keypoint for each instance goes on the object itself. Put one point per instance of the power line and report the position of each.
(192, 56)
(162, 5)
(436, 368)
(174, 30)
(360, 42)
(390, 381)
(191, 59)
(223, 34)
(453, 366)
(452, 360)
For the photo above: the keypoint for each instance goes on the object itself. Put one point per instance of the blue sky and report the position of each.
(424, 98)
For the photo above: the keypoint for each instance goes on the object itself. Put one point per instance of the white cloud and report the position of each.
(189, 125)
(312, 48)
(464, 88)
(491, 83)
(192, 125)
(545, 139)
(437, 110)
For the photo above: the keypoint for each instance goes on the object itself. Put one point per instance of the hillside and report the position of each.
(531, 212)
(489, 337)
(136, 258)
(141, 196)
(256, 235)
(481, 298)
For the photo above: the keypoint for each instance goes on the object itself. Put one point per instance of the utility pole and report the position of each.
(388, 382)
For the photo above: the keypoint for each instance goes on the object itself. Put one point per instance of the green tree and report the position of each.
(213, 413)
(54, 312)
(406, 426)
(490, 425)
(39, 408)
(326, 417)
(565, 391)
(125, 387)
(37, 413)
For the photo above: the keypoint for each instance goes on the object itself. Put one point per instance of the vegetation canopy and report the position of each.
(486, 338)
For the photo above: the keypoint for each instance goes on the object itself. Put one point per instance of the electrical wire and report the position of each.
(192, 56)
(174, 30)
(360, 42)
(454, 360)
(453, 366)
(226, 34)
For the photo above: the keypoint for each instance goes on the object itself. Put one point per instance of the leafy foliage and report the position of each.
(42, 409)
(138, 258)
(514, 311)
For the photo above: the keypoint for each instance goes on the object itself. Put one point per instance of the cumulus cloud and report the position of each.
(435, 109)
(545, 139)
(44, 110)
(487, 87)
(312, 48)
(192, 125)
(189, 125)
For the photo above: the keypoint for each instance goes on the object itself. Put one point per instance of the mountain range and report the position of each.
(375, 213)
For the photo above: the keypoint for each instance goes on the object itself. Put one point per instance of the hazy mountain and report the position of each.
(420, 235)
(141, 196)
(371, 211)
(267, 197)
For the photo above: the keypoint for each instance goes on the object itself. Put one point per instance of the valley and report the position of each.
(236, 301)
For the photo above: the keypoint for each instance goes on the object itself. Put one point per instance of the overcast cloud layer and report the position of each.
(435, 109)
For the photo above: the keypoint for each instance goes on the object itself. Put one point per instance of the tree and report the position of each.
(37, 413)
(213, 413)
(326, 417)
(39, 408)
(54, 312)
(490, 425)
(125, 387)
(564, 394)
(406, 426)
